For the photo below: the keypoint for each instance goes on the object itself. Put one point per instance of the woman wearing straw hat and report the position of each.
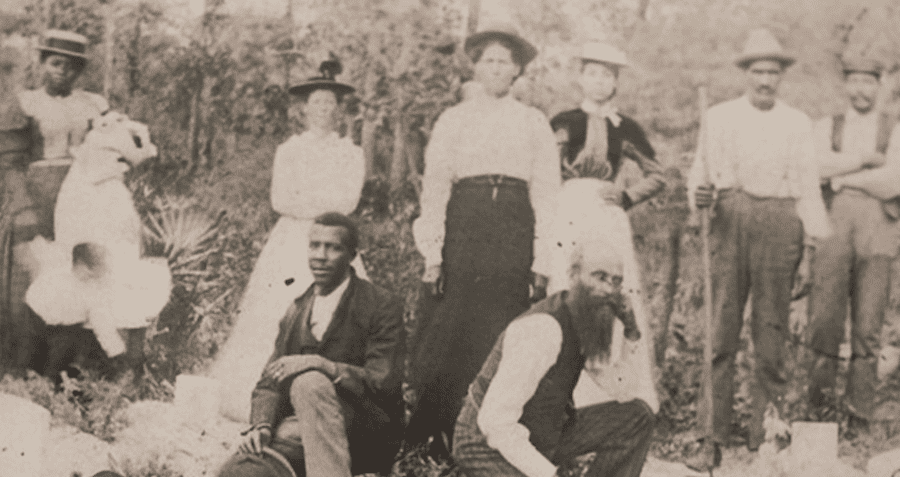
(314, 172)
(491, 176)
(597, 140)
(61, 115)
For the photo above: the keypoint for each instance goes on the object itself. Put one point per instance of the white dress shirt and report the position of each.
(531, 345)
(323, 309)
(765, 154)
(485, 135)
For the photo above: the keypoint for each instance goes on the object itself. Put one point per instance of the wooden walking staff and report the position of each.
(707, 273)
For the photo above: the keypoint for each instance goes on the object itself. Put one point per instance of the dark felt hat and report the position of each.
(268, 464)
(63, 42)
(524, 50)
(329, 70)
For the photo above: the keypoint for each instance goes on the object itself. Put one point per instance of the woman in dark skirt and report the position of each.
(61, 114)
(18, 329)
(491, 178)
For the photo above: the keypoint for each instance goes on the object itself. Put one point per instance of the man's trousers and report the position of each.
(314, 439)
(756, 246)
(619, 433)
(852, 266)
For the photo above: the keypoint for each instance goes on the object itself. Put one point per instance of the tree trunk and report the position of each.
(109, 39)
(401, 126)
(367, 140)
(398, 158)
(194, 125)
(134, 60)
(371, 117)
(642, 9)
(670, 291)
(415, 151)
(474, 13)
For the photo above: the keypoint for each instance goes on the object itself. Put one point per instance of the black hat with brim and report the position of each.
(304, 89)
(525, 50)
(329, 69)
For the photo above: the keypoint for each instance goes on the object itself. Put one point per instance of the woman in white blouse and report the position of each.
(314, 172)
(491, 178)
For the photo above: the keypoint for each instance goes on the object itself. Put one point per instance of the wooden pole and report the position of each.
(472, 20)
(707, 274)
(109, 43)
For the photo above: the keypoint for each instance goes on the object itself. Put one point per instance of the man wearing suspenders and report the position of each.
(858, 155)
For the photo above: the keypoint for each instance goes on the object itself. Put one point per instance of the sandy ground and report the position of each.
(157, 437)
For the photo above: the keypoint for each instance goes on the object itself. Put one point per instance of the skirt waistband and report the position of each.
(491, 180)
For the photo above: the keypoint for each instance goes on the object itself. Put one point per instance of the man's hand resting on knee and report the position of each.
(255, 440)
(292, 365)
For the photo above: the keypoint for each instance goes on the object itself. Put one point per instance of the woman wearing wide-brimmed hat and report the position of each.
(314, 172)
(491, 177)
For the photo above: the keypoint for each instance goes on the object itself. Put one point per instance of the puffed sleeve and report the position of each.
(303, 187)
(546, 181)
(437, 182)
(100, 103)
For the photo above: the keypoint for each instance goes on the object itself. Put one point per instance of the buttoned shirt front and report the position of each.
(323, 309)
(765, 154)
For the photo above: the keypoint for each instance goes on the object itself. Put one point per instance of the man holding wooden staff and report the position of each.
(763, 190)
(859, 161)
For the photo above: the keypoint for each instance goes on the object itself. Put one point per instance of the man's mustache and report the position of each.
(856, 97)
(765, 89)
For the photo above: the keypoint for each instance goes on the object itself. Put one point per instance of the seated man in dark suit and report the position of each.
(329, 401)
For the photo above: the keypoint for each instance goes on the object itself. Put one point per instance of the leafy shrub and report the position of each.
(92, 405)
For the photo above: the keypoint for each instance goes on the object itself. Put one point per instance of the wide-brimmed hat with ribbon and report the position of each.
(524, 50)
(761, 44)
(603, 53)
(328, 69)
(862, 64)
(64, 42)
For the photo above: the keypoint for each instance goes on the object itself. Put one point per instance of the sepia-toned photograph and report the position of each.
(449, 238)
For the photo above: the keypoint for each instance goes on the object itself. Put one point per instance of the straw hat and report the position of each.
(329, 69)
(64, 43)
(524, 50)
(603, 53)
(860, 64)
(761, 44)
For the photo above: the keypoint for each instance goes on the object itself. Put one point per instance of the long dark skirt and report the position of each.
(33, 194)
(487, 256)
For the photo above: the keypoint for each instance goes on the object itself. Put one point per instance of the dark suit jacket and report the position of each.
(366, 337)
(627, 140)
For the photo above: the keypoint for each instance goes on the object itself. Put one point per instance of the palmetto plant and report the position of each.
(186, 232)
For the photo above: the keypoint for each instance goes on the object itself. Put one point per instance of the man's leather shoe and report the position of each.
(707, 457)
